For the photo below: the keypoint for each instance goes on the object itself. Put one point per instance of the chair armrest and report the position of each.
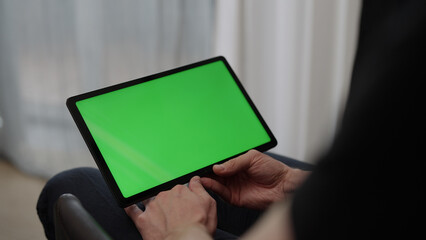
(72, 221)
(292, 162)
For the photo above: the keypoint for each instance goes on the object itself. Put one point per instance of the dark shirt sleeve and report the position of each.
(371, 183)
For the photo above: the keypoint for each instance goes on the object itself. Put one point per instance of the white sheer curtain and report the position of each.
(295, 59)
(52, 49)
(293, 56)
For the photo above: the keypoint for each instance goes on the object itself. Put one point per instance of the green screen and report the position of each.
(156, 131)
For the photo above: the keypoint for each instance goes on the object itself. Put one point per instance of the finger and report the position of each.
(147, 201)
(196, 187)
(133, 212)
(217, 187)
(235, 165)
(221, 180)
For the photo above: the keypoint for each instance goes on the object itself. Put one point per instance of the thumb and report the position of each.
(235, 165)
(195, 185)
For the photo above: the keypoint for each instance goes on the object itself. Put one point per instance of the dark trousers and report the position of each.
(90, 188)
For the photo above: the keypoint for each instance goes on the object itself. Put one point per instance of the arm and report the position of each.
(254, 180)
(275, 224)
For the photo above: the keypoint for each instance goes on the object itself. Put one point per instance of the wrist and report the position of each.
(293, 179)
(193, 231)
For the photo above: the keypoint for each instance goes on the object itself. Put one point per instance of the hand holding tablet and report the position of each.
(149, 134)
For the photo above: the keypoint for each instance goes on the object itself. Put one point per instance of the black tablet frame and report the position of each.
(100, 162)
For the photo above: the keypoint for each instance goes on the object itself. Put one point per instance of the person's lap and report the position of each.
(89, 187)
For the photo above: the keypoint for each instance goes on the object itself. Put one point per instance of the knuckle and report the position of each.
(178, 187)
(140, 220)
(254, 152)
(160, 195)
(230, 163)
(200, 216)
(209, 201)
(255, 155)
(212, 202)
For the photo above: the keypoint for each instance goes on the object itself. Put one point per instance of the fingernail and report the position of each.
(196, 178)
(219, 167)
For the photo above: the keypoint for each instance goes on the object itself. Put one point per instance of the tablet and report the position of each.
(149, 134)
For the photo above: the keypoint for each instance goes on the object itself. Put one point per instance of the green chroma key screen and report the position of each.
(158, 130)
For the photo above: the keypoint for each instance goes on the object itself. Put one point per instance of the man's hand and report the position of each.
(254, 180)
(175, 213)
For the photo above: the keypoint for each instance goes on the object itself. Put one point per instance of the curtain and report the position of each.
(51, 50)
(295, 59)
(293, 56)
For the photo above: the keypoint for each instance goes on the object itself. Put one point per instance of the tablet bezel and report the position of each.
(100, 162)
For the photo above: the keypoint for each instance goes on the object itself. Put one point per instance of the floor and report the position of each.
(18, 196)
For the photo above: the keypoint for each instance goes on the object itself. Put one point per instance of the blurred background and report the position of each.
(294, 57)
